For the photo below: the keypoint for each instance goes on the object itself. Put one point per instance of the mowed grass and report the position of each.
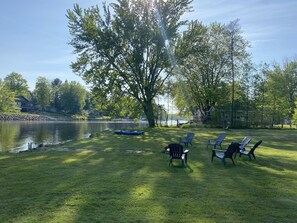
(116, 178)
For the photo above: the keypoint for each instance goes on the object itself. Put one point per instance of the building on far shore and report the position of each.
(24, 104)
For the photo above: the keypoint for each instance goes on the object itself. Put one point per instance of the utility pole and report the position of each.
(232, 28)
(233, 76)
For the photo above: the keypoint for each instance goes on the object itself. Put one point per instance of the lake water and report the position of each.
(15, 136)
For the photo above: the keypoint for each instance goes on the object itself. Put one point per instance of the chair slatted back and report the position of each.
(219, 140)
(189, 137)
(244, 142)
(232, 148)
(176, 150)
(256, 145)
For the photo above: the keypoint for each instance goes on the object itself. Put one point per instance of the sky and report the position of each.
(34, 35)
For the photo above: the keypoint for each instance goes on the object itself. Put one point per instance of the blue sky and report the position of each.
(34, 33)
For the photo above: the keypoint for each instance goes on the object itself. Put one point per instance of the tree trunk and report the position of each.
(149, 112)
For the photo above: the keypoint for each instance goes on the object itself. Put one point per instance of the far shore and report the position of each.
(39, 117)
(30, 117)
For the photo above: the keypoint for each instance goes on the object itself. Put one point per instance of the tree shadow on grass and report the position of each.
(111, 185)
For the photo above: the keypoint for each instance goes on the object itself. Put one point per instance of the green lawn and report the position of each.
(113, 178)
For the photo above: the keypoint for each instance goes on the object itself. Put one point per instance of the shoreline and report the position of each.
(26, 117)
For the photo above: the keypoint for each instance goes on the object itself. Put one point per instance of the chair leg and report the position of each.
(213, 154)
(224, 161)
(253, 155)
(249, 155)
(235, 155)
(232, 161)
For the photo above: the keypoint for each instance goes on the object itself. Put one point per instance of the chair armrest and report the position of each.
(220, 150)
(186, 151)
(236, 142)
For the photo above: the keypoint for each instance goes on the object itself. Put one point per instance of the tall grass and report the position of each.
(116, 178)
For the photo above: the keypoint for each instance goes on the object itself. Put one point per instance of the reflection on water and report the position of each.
(15, 136)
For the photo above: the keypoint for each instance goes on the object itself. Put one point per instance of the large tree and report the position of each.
(205, 65)
(203, 59)
(56, 99)
(73, 97)
(16, 83)
(7, 99)
(128, 49)
(42, 92)
(282, 90)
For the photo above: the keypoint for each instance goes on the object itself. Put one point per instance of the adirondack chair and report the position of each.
(251, 152)
(218, 142)
(243, 144)
(176, 151)
(223, 154)
(188, 139)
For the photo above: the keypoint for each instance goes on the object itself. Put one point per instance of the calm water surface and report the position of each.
(15, 136)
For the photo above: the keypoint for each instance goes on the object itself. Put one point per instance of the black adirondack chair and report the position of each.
(188, 139)
(176, 151)
(223, 154)
(250, 153)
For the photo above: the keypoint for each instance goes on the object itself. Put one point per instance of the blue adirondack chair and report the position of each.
(217, 142)
(188, 139)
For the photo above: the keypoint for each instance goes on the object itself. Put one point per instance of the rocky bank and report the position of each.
(25, 117)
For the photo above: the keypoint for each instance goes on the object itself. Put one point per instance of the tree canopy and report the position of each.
(205, 65)
(7, 99)
(42, 92)
(17, 84)
(127, 48)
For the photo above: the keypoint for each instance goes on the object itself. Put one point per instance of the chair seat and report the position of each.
(220, 155)
(223, 154)
(250, 153)
(244, 152)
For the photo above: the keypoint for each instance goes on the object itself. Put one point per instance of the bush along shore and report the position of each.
(25, 117)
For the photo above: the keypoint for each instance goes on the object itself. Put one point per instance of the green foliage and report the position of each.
(281, 91)
(117, 105)
(55, 93)
(73, 96)
(42, 92)
(7, 99)
(294, 119)
(128, 49)
(205, 66)
(17, 84)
